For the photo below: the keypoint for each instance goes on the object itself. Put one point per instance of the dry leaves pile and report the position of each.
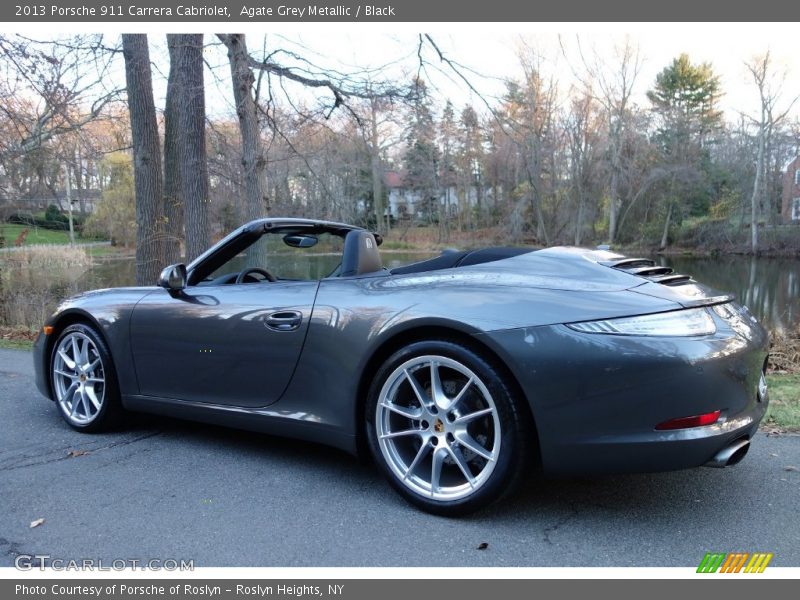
(784, 352)
(17, 333)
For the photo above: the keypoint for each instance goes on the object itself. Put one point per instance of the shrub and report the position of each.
(114, 217)
(48, 220)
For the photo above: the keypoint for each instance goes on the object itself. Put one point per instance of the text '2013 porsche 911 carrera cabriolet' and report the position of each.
(459, 374)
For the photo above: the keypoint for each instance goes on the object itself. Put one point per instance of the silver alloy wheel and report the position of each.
(438, 428)
(78, 378)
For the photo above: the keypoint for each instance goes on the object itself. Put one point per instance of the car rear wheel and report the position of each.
(83, 380)
(446, 428)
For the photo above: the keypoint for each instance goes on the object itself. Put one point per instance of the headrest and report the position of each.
(360, 254)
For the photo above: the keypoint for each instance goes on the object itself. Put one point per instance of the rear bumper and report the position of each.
(596, 398)
(652, 451)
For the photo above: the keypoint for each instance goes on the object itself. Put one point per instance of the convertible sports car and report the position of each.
(459, 374)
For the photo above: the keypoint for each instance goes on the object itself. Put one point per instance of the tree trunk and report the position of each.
(757, 188)
(536, 205)
(665, 234)
(377, 174)
(253, 161)
(766, 188)
(68, 182)
(612, 204)
(192, 147)
(173, 198)
(579, 216)
(79, 187)
(377, 192)
(147, 175)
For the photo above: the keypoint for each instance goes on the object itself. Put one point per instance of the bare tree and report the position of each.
(148, 181)
(50, 89)
(379, 129)
(613, 87)
(531, 113)
(338, 90)
(582, 126)
(770, 90)
(245, 98)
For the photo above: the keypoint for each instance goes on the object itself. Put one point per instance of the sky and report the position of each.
(490, 53)
(494, 54)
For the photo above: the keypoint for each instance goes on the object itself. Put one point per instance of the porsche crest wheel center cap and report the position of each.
(438, 427)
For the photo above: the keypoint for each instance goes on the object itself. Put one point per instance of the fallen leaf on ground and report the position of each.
(773, 454)
(74, 453)
(36, 523)
(483, 545)
(790, 468)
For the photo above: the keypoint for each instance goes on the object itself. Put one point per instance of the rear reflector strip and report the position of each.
(687, 422)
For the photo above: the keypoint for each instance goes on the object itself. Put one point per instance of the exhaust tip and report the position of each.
(730, 455)
(739, 454)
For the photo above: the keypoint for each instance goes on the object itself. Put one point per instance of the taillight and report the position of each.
(687, 422)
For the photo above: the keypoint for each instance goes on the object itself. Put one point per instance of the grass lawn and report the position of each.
(16, 344)
(37, 235)
(784, 401)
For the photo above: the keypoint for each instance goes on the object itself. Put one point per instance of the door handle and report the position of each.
(285, 320)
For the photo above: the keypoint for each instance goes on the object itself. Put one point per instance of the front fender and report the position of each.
(108, 311)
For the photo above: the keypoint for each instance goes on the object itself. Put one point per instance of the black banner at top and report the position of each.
(395, 11)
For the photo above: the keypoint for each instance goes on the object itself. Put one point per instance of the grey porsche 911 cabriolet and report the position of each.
(459, 375)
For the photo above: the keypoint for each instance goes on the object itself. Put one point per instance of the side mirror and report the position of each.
(173, 278)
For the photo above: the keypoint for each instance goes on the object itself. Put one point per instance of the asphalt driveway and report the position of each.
(167, 489)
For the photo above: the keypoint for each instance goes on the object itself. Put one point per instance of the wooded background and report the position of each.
(554, 160)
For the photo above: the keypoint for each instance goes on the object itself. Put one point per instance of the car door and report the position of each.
(235, 345)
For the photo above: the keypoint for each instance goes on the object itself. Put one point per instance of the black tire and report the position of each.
(509, 413)
(109, 415)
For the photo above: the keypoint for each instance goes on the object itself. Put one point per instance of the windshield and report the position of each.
(284, 262)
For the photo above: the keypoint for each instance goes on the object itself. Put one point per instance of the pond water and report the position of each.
(770, 287)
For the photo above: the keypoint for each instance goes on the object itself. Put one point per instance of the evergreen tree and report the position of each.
(685, 97)
(471, 158)
(448, 170)
(422, 155)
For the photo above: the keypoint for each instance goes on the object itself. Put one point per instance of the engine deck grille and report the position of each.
(647, 268)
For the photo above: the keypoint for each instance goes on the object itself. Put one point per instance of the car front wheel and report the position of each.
(446, 428)
(83, 380)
